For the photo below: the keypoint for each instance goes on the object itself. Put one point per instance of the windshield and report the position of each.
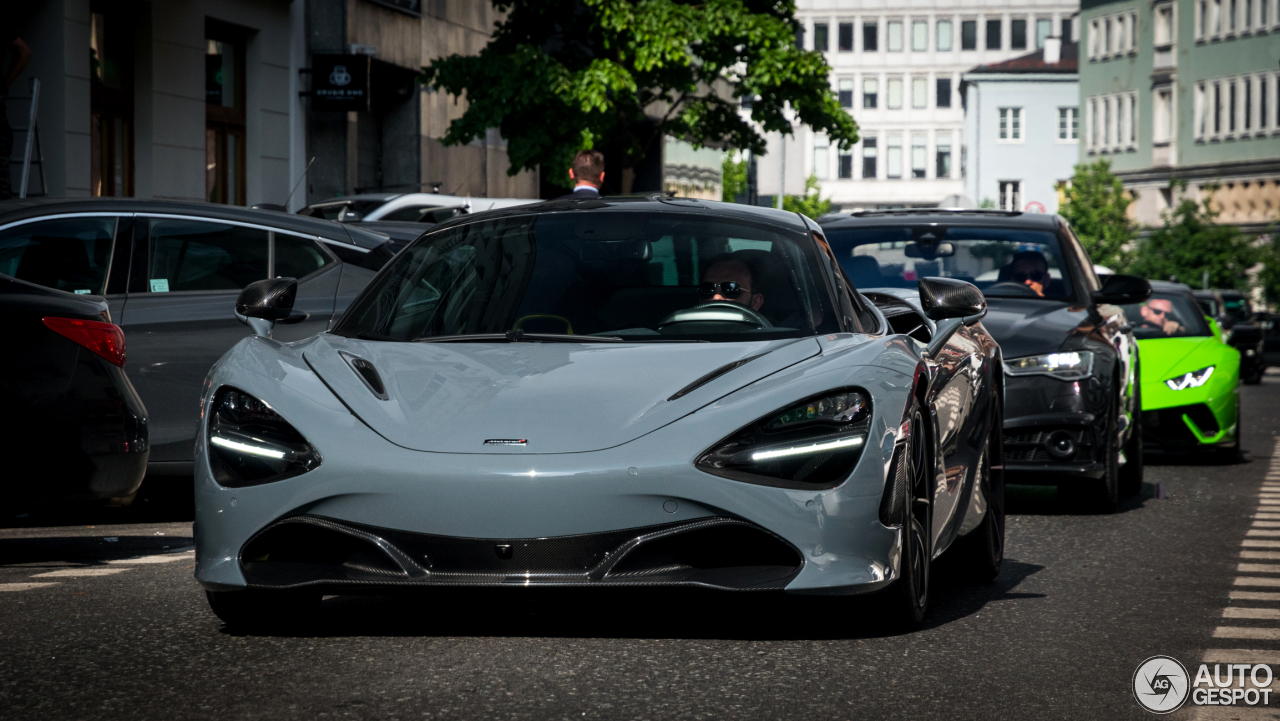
(1002, 262)
(630, 275)
(1237, 307)
(1167, 315)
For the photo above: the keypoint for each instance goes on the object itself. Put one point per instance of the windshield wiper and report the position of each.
(518, 336)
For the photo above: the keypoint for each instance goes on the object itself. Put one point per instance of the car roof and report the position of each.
(638, 203)
(13, 210)
(942, 216)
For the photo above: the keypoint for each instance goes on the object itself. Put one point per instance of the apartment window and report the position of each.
(1133, 32)
(1011, 125)
(944, 92)
(1217, 108)
(870, 90)
(1018, 34)
(869, 157)
(1092, 121)
(1163, 30)
(821, 167)
(846, 37)
(1131, 130)
(919, 35)
(1248, 14)
(944, 36)
(1200, 121)
(1044, 28)
(1066, 30)
(1215, 17)
(870, 38)
(894, 91)
(820, 37)
(943, 169)
(1107, 47)
(846, 92)
(846, 165)
(1262, 102)
(1231, 106)
(893, 36)
(224, 116)
(1095, 40)
(1068, 124)
(1162, 115)
(919, 93)
(994, 28)
(919, 156)
(1231, 16)
(1010, 194)
(969, 35)
(111, 103)
(893, 157)
(1248, 103)
(800, 38)
(1108, 134)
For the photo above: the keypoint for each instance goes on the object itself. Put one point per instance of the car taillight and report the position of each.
(105, 339)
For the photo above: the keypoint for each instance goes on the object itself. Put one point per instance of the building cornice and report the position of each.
(1270, 166)
(1020, 77)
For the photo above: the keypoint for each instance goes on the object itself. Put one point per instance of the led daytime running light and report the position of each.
(803, 450)
(1194, 379)
(246, 448)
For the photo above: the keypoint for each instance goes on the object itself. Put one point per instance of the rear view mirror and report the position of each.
(264, 302)
(1122, 290)
(929, 251)
(950, 298)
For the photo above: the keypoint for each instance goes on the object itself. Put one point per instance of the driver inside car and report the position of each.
(1159, 313)
(1028, 268)
(727, 279)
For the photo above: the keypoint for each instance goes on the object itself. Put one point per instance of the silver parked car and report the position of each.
(170, 272)
(630, 392)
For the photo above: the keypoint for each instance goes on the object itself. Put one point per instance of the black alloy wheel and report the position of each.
(1132, 470)
(910, 598)
(982, 551)
(1231, 454)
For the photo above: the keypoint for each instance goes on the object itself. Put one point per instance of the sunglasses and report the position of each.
(727, 289)
(1157, 311)
(1034, 276)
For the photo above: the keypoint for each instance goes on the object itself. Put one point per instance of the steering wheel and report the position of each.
(1011, 288)
(721, 311)
(568, 326)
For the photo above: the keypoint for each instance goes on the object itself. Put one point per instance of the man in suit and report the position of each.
(587, 170)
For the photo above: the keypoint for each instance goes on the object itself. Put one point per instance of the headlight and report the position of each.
(813, 444)
(1067, 366)
(1194, 379)
(250, 444)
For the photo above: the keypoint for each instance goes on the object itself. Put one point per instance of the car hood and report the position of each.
(1033, 327)
(559, 397)
(1164, 358)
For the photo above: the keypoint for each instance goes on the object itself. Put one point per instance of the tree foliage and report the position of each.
(1096, 206)
(1191, 242)
(811, 203)
(733, 177)
(561, 75)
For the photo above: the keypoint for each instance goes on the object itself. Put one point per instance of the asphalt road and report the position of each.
(100, 618)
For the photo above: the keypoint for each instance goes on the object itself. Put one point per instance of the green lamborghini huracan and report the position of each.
(1190, 377)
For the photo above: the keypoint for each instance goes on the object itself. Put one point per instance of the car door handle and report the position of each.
(295, 317)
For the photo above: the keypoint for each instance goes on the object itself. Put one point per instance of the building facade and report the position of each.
(1015, 111)
(1187, 90)
(898, 71)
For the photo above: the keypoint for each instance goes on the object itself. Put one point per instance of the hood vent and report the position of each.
(367, 373)
(711, 376)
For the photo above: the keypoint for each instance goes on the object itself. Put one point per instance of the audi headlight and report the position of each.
(1194, 379)
(813, 444)
(1067, 366)
(250, 444)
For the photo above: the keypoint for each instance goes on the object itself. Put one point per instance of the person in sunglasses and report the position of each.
(732, 280)
(1030, 269)
(1159, 313)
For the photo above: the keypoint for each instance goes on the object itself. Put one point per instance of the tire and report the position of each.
(1100, 495)
(265, 610)
(1230, 455)
(982, 551)
(908, 598)
(1131, 472)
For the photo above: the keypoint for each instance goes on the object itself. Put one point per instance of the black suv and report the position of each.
(1071, 362)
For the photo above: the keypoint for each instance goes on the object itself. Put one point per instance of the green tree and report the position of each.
(1190, 243)
(733, 177)
(811, 203)
(620, 75)
(1096, 206)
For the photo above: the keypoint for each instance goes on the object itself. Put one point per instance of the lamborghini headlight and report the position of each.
(250, 444)
(813, 444)
(1194, 379)
(1067, 365)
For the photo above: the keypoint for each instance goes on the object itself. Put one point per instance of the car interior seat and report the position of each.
(863, 271)
(61, 263)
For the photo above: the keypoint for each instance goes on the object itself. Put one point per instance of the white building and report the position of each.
(1022, 128)
(898, 70)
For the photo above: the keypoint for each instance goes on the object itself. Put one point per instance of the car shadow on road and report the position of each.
(641, 613)
(88, 550)
(1023, 500)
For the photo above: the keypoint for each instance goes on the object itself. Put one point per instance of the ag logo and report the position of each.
(340, 76)
(1161, 684)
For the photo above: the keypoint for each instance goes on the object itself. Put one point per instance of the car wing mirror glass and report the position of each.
(264, 302)
(1122, 290)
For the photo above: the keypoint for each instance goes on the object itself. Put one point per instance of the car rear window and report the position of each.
(71, 254)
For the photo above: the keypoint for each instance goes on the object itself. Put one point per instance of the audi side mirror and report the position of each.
(1122, 290)
(950, 298)
(264, 302)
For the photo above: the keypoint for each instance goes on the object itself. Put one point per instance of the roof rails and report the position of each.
(936, 211)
